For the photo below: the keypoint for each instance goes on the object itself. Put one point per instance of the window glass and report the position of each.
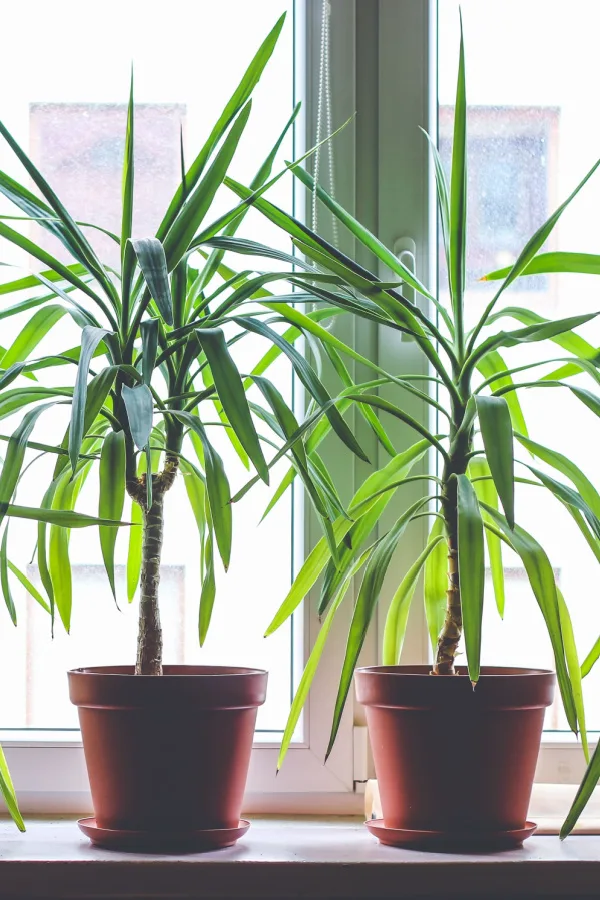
(66, 105)
(532, 137)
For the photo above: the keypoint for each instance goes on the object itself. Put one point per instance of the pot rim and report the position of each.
(210, 672)
(424, 671)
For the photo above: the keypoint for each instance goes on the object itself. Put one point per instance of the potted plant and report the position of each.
(167, 747)
(455, 753)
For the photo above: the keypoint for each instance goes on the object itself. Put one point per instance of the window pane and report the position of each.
(532, 137)
(68, 110)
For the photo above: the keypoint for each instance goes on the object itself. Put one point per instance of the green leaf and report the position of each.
(586, 489)
(264, 172)
(232, 395)
(458, 196)
(112, 497)
(98, 390)
(151, 257)
(15, 454)
(556, 261)
(592, 657)
(443, 197)
(134, 551)
(217, 487)
(541, 578)
(90, 338)
(368, 597)
(314, 477)
(486, 493)
(4, 582)
(471, 571)
(32, 281)
(569, 498)
(230, 110)
(584, 792)
(58, 554)
(436, 582)
(149, 331)
(569, 341)
(70, 233)
(139, 406)
(310, 380)
(66, 518)
(366, 238)
(30, 336)
(128, 172)
(29, 587)
(542, 234)
(179, 236)
(315, 657)
(492, 364)
(319, 556)
(543, 331)
(61, 270)
(397, 617)
(8, 376)
(497, 434)
(8, 792)
(574, 669)
(209, 589)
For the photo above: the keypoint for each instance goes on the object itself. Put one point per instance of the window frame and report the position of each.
(376, 45)
(48, 769)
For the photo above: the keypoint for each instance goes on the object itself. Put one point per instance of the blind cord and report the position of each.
(324, 118)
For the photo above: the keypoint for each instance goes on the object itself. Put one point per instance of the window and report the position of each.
(530, 128)
(73, 127)
(512, 173)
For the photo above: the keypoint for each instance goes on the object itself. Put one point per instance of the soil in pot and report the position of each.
(167, 754)
(452, 760)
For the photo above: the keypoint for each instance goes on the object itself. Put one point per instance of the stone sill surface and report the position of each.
(290, 858)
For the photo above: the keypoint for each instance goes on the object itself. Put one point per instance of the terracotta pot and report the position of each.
(170, 753)
(450, 758)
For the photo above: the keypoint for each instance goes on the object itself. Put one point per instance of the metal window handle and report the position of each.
(405, 250)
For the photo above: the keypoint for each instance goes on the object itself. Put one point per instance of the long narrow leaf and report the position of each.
(497, 434)
(397, 617)
(112, 497)
(471, 571)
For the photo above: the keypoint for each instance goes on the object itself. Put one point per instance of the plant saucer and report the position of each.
(449, 840)
(162, 841)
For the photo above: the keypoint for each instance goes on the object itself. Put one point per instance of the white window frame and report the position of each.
(383, 67)
(48, 768)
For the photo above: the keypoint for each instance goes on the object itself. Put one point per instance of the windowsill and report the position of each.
(281, 858)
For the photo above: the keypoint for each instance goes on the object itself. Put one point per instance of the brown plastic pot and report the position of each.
(167, 754)
(453, 759)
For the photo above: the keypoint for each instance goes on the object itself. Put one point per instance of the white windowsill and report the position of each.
(281, 858)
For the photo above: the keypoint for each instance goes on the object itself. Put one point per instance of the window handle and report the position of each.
(405, 250)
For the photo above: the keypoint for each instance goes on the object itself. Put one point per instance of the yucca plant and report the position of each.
(475, 396)
(155, 369)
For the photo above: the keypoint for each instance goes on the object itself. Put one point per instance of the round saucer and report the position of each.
(439, 840)
(162, 842)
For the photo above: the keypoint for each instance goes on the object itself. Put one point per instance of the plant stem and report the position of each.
(457, 463)
(452, 628)
(150, 643)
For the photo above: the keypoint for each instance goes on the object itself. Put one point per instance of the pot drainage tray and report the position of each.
(446, 840)
(162, 841)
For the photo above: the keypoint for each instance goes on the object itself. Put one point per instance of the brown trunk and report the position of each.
(451, 632)
(452, 629)
(150, 643)
(149, 647)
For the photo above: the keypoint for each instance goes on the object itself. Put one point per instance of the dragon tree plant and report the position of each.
(155, 368)
(476, 397)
